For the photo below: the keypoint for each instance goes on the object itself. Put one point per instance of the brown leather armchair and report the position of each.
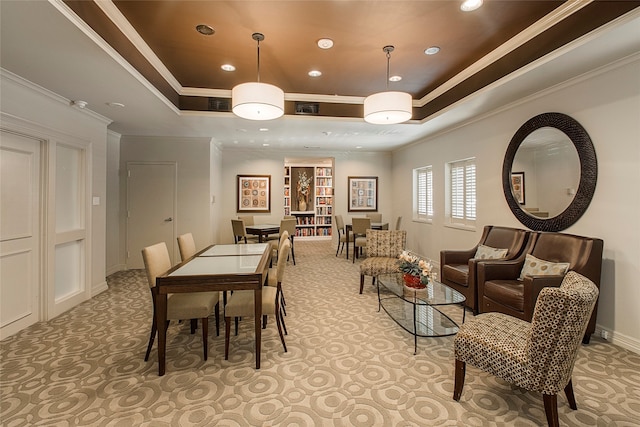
(501, 290)
(458, 269)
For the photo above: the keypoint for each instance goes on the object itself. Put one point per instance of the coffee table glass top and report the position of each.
(435, 293)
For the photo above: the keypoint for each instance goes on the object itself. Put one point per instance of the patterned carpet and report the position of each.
(347, 365)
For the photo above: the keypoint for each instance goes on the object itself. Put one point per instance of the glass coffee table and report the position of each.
(415, 310)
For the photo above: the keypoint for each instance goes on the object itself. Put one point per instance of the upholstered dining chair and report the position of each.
(398, 222)
(342, 236)
(241, 303)
(181, 306)
(383, 249)
(375, 217)
(359, 226)
(289, 225)
(537, 356)
(186, 245)
(248, 219)
(240, 234)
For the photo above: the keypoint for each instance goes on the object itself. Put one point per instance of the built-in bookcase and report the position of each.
(308, 196)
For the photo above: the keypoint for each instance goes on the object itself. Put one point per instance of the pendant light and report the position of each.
(389, 107)
(255, 100)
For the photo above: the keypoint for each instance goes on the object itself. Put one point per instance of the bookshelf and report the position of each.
(308, 196)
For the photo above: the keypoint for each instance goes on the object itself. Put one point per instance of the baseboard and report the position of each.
(115, 269)
(99, 288)
(617, 338)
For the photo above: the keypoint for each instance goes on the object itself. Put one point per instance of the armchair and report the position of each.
(383, 249)
(458, 269)
(502, 288)
(537, 356)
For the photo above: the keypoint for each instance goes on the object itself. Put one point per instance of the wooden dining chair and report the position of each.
(240, 233)
(180, 306)
(343, 238)
(375, 217)
(241, 303)
(187, 247)
(359, 228)
(398, 222)
(248, 219)
(289, 225)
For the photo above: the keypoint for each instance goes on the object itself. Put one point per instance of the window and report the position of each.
(462, 192)
(423, 193)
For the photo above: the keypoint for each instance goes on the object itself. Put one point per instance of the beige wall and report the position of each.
(606, 103)
(270, 162)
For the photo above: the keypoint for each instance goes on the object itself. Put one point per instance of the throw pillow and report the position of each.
(487, 252)
(538, 267)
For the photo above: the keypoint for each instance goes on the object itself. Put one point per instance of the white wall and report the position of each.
(47, 112)
(194, 192)
(271, 162)
(114, 250)
(607, 104)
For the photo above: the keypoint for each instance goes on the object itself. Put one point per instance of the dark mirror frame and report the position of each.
(588, 171)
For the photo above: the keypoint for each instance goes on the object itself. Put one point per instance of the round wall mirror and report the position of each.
(549, 172)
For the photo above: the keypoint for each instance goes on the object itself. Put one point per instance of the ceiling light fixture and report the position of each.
(325, 43)
(228, 67)
(255, 100)
(79, 104)
(205, 30)
(470, 5)
(432, 50)
(315, 73)
(389, 107)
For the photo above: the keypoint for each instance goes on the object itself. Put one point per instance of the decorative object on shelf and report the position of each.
(302, 188)
(416, 272)
(388, 107)
(363, 194)
(255, 100)
(254, 193)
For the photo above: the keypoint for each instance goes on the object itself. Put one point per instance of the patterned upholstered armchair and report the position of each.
(537, 356)
(383, 249)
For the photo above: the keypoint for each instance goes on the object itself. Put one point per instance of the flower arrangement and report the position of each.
(303, 186)
(412, 265)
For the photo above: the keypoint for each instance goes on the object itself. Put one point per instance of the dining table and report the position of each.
(215, 268)
(374, 226)
(262, 230)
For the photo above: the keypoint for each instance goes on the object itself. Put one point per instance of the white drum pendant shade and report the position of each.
(257, 101)
(387, 108)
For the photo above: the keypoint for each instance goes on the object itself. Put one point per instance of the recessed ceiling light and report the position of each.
(358, 146)
(395, 78)
(265, 145)
(315, 73)
(205, 30)
(264, 129)
(432, 50)
(115, 104)
(469, 5)
(325, 43)
(228, 67)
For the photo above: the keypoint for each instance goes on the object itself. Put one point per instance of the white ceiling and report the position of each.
(60, 53)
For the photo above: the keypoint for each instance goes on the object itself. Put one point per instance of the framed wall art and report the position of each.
(517, 186)
(363, 193)
(254, 193)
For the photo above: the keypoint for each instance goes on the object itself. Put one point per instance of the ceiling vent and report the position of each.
(308, 108)
(220, 104)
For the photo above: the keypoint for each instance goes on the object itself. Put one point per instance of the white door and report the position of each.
(19, 233)
(151, 209)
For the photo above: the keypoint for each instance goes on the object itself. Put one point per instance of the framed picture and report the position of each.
(517, 186)
(363, 193)
(254, 193)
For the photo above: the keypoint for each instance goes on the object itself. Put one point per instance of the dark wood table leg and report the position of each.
(161, 322)
(257, 302)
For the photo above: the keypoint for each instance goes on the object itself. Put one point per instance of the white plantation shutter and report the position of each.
(423, 202)
(462, 189)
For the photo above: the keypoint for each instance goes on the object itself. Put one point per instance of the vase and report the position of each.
(412, 281)
(302, 205)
